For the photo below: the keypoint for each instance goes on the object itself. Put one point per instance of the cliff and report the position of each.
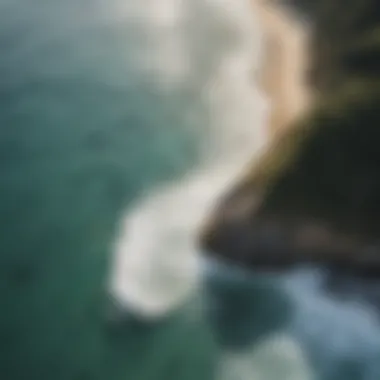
(314, 195)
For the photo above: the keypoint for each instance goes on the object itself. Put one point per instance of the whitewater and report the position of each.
(157, 261)
(213, 49)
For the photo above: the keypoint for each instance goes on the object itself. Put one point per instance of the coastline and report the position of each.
(281, 75)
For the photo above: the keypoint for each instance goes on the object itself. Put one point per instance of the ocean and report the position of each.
(180, 77)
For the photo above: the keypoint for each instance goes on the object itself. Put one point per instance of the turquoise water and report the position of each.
(175, 80)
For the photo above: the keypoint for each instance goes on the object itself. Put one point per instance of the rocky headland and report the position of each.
(314, 196)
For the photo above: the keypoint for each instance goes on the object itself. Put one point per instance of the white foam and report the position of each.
(279, 357)
(157, 263)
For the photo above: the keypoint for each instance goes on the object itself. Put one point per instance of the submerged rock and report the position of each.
(314, 197)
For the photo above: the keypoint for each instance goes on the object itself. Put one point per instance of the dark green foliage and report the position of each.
(325, 169)
(327, 166)
(333, 172)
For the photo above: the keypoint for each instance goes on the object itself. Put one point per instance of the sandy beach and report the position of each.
(281, 76)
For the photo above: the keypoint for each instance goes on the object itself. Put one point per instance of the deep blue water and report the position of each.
(93, 63)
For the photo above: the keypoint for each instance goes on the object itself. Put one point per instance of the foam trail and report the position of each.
(157, 263)
(212, 47)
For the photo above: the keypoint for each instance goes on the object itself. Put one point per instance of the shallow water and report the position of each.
(180, 75)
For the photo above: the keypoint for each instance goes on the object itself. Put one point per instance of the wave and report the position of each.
(157, 260)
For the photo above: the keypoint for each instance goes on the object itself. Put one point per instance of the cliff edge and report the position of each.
(314, 196)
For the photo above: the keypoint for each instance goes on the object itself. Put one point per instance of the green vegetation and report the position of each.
(325, 168)
(328, 166)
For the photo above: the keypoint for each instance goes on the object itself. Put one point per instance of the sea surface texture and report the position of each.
(179, 76)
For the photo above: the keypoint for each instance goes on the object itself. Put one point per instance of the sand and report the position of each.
(281, 76)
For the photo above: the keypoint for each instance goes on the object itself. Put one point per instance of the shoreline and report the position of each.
(281, 73)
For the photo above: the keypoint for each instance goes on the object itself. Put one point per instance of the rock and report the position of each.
(315, 193)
